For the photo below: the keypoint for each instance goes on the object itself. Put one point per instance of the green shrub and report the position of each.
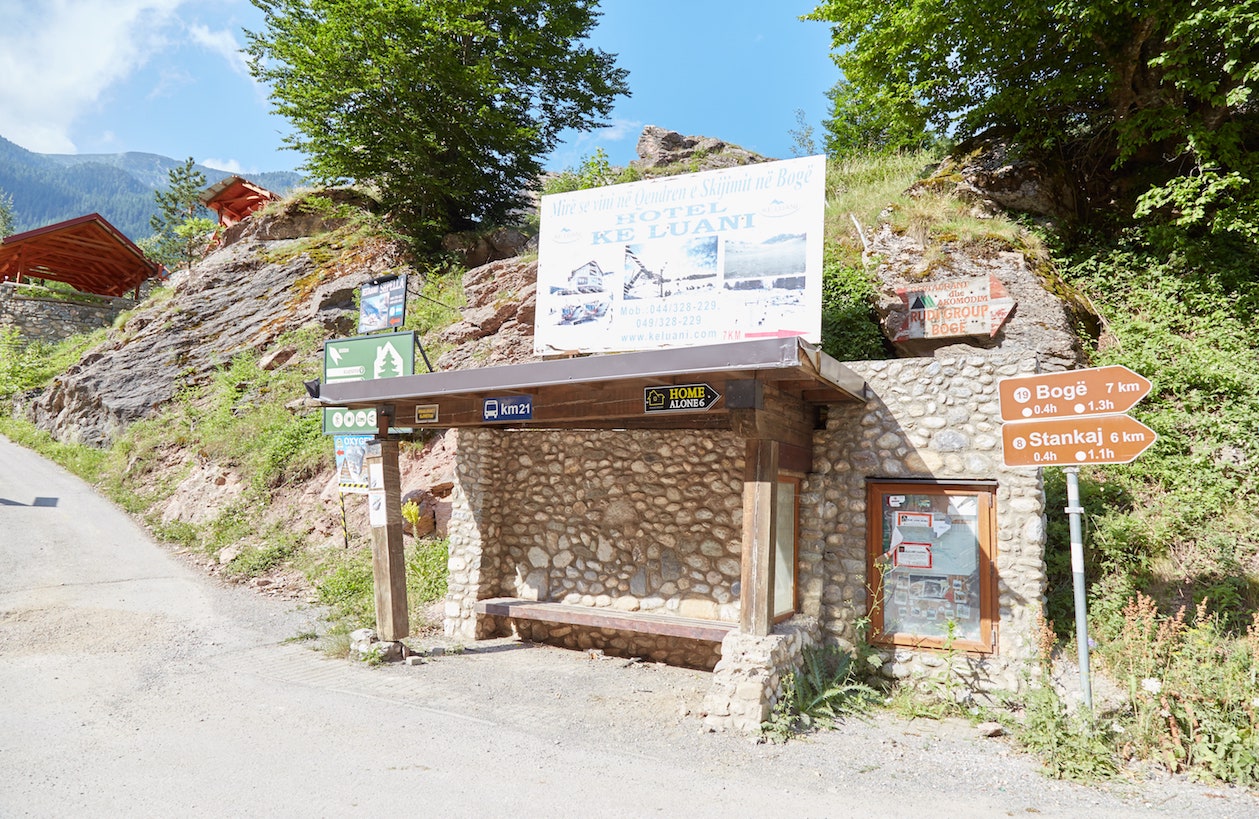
(1193, 691)
(1069, 747)
(427, 570)
(850, 330)
(347, 589)
(827, 688)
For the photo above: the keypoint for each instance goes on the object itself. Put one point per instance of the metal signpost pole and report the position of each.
(1067, 419)
(1074, 511)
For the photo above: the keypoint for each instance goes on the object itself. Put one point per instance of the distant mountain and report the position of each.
(48, 188)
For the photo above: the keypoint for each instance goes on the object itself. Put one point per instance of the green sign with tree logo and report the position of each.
(363, 358)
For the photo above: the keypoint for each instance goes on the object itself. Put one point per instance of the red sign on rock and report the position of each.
(958, 307)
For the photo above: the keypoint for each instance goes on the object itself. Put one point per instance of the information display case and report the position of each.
(931, 564)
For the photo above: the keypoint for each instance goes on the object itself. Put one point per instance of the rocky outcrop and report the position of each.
(497, 323)
(985, 173)
(299, 218)
(476, 249)
(240, 298)
(660, 148)
(1043, 321)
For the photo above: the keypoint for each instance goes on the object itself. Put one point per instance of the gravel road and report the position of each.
(134, 685)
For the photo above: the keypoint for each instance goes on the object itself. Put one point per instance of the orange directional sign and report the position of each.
(1071, 394)
(1103, 439)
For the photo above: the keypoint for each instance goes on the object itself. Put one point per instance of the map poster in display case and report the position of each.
(930, 550)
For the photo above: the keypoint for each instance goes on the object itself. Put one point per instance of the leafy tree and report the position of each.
(446, 106)
(871, 121)
(182, 222)
(1159, 92)
(7, 218)
(802, 142)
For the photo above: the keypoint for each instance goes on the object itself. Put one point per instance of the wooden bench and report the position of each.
(713, 631)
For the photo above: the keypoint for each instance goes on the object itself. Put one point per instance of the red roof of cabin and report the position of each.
(233, 198)
(87, 253)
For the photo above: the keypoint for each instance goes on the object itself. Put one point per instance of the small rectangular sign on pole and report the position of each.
(383, 304)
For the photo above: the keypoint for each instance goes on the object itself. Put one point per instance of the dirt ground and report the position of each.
(134, 684)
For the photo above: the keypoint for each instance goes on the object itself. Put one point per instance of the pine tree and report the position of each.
(182, 222)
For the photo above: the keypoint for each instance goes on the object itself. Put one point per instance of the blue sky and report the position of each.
(166, 77)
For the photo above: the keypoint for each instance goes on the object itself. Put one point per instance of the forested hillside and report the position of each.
(48, 188)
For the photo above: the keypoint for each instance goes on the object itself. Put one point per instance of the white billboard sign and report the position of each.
(704, 258)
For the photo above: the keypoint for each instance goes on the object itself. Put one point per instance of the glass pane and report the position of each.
(785, 550)
(930, 565)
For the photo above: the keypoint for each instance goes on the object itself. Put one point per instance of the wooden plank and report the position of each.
(637, 621)
(389, 571)
(760, 505)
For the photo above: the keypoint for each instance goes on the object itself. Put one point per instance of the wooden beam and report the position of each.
(760, 507)
(388, 564)
(642, 622)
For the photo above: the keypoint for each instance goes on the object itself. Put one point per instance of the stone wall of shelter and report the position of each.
(651, 521)
(630, 520)
(925, 418)
(748, 681)
(46, 319)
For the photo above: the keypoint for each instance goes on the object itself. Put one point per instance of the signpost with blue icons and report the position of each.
(363, 358)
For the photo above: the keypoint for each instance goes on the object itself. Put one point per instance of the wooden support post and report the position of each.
(388, 564)
(760, 502)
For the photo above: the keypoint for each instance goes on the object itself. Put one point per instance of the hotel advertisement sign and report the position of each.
(702, 258)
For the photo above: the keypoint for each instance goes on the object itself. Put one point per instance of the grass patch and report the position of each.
(343, 583)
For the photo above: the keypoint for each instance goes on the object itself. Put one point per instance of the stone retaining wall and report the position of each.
(47, 319)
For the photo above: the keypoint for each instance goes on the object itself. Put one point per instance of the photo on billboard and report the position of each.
(702, 258)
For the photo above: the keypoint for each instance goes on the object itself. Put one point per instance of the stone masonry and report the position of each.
(46, 319)
(935, 418)
(650, 521)
(631, 520)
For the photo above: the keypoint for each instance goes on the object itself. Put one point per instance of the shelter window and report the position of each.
(785, 597)
(931, 558)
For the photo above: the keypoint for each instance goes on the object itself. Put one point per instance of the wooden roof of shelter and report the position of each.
(611, 391)
(87, 253)
(234, 197)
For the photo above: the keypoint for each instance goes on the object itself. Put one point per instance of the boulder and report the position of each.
(985, 172)
(477, 249)
(1045, 315)
(659, 147)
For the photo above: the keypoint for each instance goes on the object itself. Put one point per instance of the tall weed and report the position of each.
(1193, 691)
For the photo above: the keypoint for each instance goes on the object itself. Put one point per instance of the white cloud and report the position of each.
(229, 165)
(223, 43)
(170, 80)
(58, 57)
(620, 129)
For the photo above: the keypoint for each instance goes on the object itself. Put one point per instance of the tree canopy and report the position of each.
(446, 106)
(7, 217)
(181, 223)
(1159, 90)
